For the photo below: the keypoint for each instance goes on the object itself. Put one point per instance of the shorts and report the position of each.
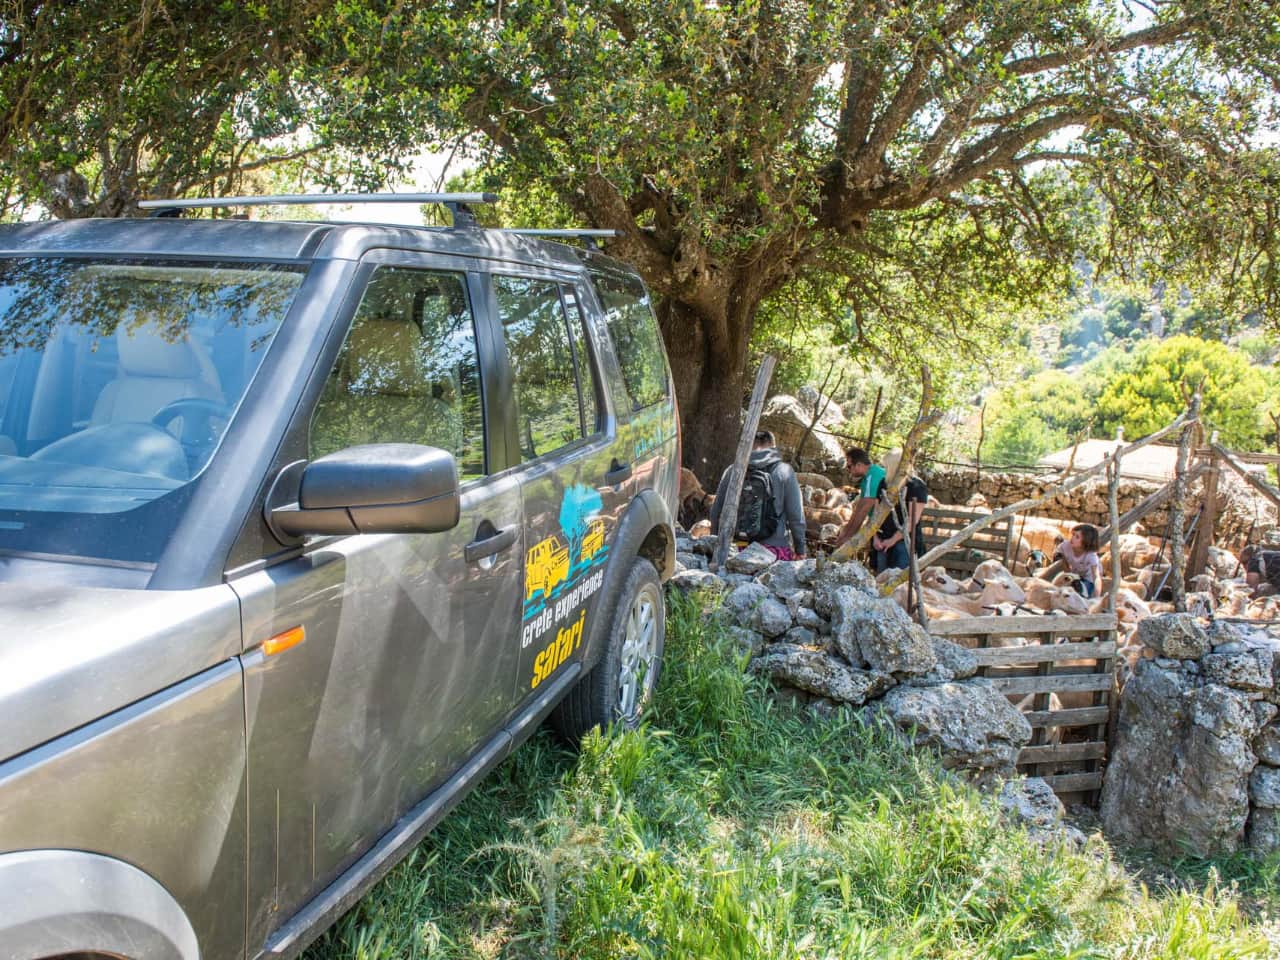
(782, 553)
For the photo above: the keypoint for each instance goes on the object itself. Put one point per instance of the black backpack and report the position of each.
(757, 510)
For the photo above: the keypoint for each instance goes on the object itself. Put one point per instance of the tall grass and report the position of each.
(731, 827)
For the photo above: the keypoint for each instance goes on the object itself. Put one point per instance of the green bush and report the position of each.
(1147, 392)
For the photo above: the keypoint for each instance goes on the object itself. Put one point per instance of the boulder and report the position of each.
(747, 641)
(833, 576)
(968, 723)
(815, 480)
(1175, 635)
(878, 632)
(816, 671)
(1179, 769)
(1264, 786)
(786, 417)
(818, 404)
(752, 561)
(808, 617)
(691, 581)
(706, 546)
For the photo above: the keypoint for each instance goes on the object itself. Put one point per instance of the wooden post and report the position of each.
(1178, 518)
(1206, 532)
(875, 415)
(977, 453)
(1113, 518)
(738, 471)
(913, 568)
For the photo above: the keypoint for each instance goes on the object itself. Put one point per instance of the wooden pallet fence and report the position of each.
(1068, 658)
(939, 524)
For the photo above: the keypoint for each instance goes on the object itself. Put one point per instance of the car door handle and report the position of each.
(617, 474)
(494, 543)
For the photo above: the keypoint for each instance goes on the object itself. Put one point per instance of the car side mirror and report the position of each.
(377, 488)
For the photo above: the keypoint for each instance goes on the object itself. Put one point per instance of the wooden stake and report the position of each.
(1178, 518)
(1206, 532)
(738, 471)
(913, 568)
(1113, 518)
(982, 435)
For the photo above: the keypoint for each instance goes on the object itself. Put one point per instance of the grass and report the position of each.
(731, 827)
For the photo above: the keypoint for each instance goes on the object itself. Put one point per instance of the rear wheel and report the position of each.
(622, 683)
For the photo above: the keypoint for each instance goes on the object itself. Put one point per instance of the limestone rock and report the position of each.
(808, 617)
(772, 618)
(1248, 670)
(878, 632)
(970, 724)
(691, 581)
(747, 641)
(1266, 745)
(752, 561)
(1179, 768)
(706, 545)
(1031, 802)
(1264, 786)
(1174, 635)
(784, 576)
(801, 636)
(833, 576)
(741, 603)
(1263, 833)
(818, 672)
(691, 561)
(788, 420)
(954, 662)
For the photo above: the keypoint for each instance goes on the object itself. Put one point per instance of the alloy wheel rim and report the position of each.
(639, 653)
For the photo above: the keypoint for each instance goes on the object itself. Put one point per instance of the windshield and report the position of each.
(117, 381)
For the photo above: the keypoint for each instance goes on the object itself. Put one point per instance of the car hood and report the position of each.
(72, 654)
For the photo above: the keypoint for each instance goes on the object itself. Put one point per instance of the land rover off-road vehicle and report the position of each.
(267, 495)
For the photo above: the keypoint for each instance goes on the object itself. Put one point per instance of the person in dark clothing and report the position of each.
(786, 494)
(890, 542)
(917, 499)
(1261, 569)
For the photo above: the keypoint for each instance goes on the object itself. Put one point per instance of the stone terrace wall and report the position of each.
(1239, 512)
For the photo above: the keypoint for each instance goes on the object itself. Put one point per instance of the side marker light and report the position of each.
(283, 641)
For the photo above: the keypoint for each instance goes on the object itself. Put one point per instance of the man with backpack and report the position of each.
(770, 505)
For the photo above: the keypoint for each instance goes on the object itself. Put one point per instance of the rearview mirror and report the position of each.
(378, 488)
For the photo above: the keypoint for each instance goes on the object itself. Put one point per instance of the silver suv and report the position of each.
(304, 527)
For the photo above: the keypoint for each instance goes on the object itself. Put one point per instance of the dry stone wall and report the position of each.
(1241, 515)
(825, 637)
(1195, 765)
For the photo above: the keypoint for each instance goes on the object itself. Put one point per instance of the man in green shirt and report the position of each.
(889, 543)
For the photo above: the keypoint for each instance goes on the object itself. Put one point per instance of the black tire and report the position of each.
(596, 699)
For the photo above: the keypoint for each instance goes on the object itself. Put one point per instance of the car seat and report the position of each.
(154, 370)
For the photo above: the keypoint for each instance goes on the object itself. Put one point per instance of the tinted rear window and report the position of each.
(634, 331)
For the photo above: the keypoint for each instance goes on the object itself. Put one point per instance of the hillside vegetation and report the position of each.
(734, 827)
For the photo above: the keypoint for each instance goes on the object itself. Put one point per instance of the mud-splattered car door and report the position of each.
(573, 484)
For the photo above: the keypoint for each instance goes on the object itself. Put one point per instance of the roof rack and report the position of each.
(456, 202)
(590, 236)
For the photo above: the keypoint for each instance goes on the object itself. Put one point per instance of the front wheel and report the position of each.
(622, 683)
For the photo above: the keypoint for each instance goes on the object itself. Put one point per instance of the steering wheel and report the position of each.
(198, 414)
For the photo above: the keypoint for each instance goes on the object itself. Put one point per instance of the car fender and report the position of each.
(644, 530)
(66, 901)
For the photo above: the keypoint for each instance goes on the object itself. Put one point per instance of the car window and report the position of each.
(549, 408)
(115, 398)
(633, 328)
(408, 371)
(587, 385)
